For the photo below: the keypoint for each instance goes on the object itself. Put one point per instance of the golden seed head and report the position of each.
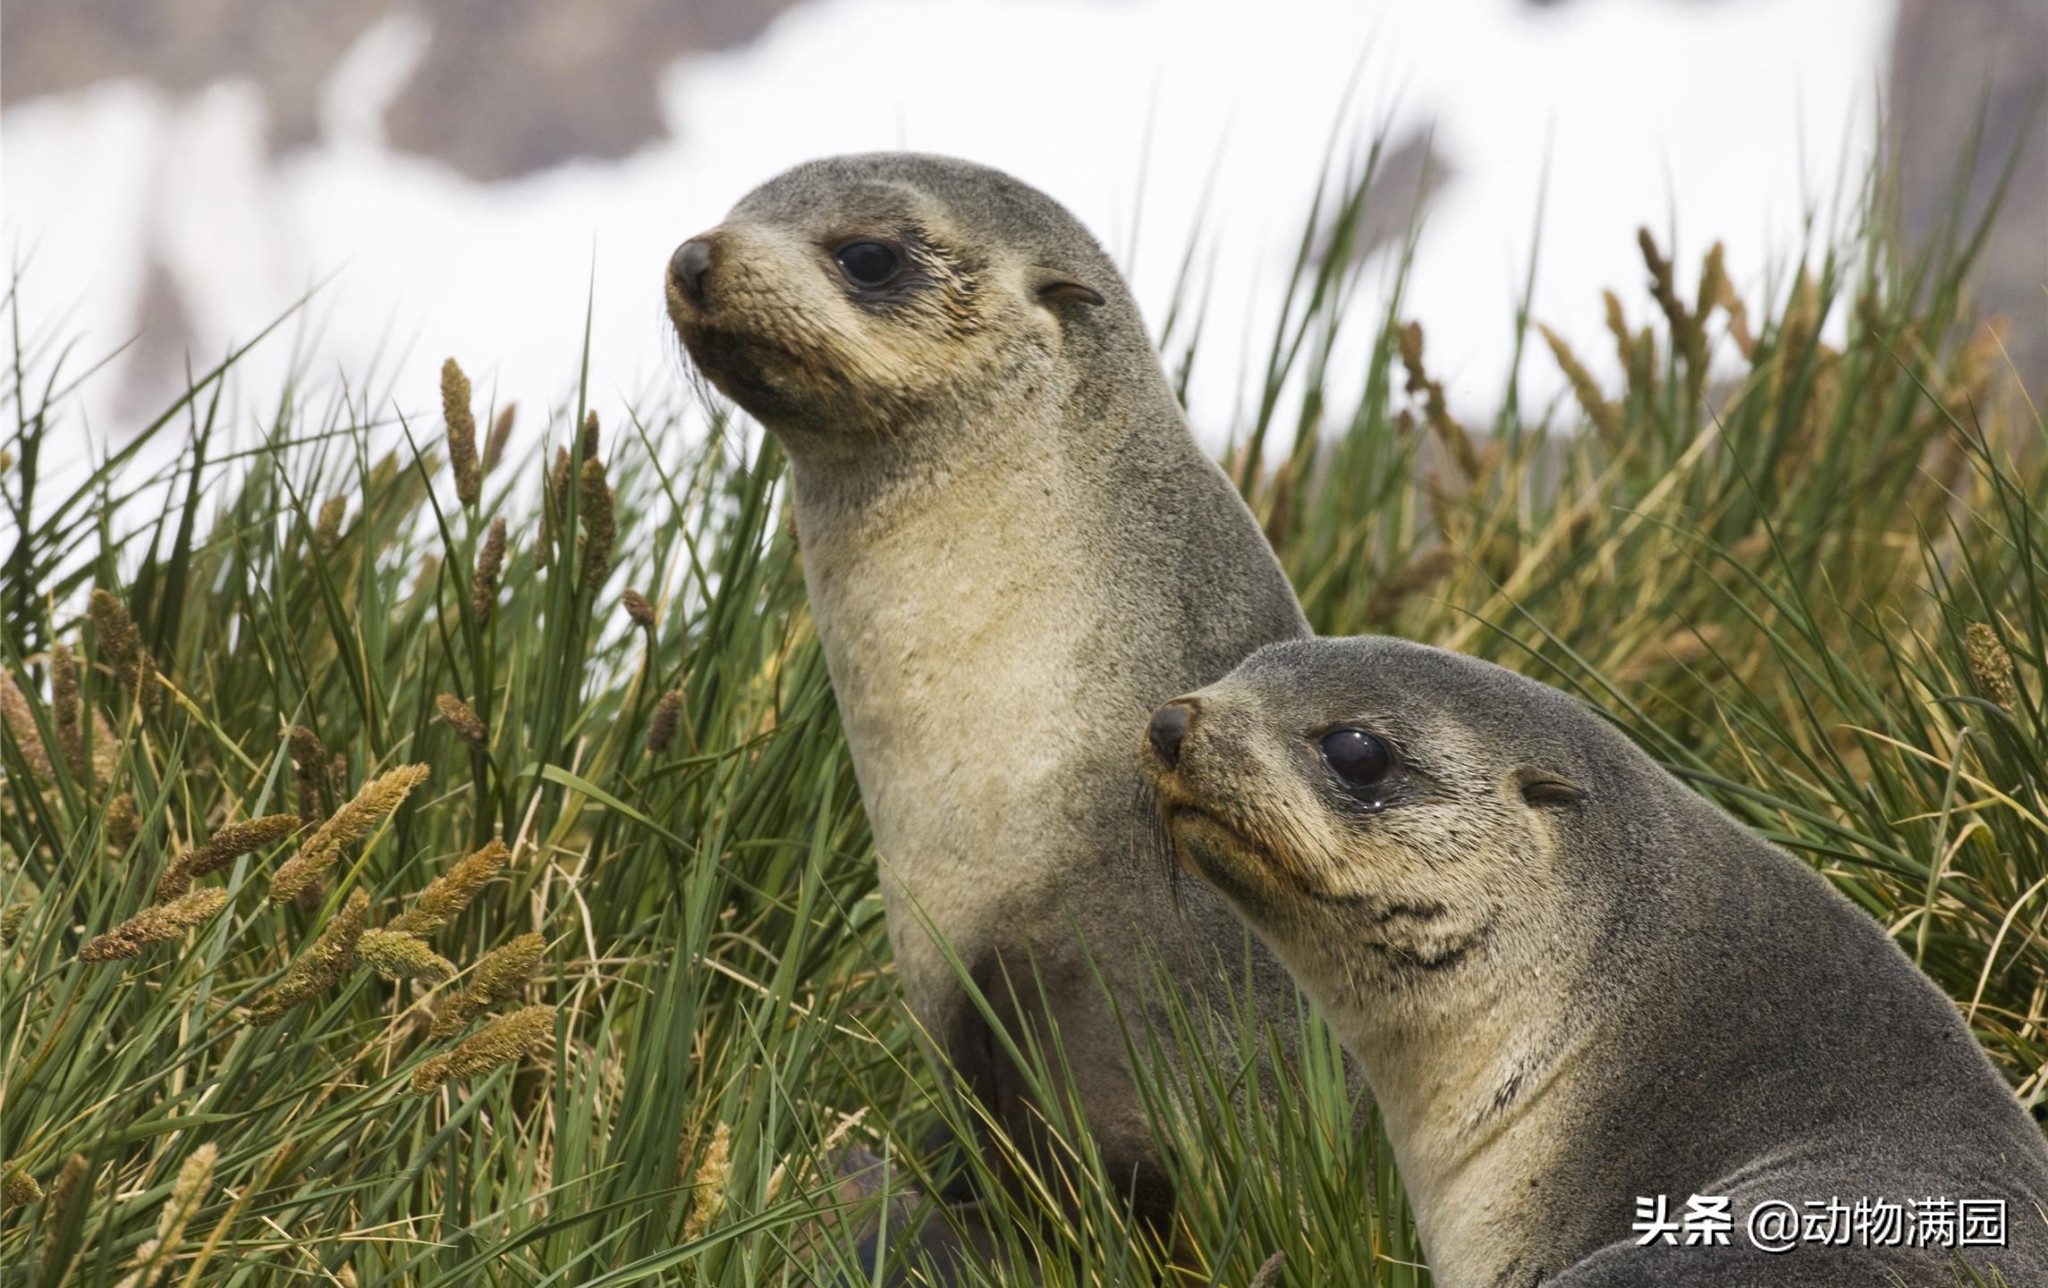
(73, 1185)
(121, 823)
(461, 432)
(224, 847)
(327, 529)
(64, 708)
(668, 714)
(460, 717)
(20, 721)
(638, 609)
(397, 955)
(11, 918)
(497, 976)
(309, 759)
(120, 643)
(594, 507)
(1420, 573)
(1991, 665)
(188, 1192)
(353, 821)
(1714, 287)
(448, 894)
(1661, 286)
(501, 430)
(483, 591)
(714, 1174)
(155, 924)
(319, 968)
(18, 1188)
(500, 1042)
(1268, 1273)
(590, 443)
(1606, 417)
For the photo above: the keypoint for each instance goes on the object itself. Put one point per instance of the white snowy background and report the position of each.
(1727, 121)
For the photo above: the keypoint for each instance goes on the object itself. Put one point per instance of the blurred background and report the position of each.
(471, 177)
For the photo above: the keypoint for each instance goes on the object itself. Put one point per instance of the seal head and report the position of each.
(1574, 985)
(862, 295)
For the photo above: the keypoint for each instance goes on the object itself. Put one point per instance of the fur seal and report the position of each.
(1013, 549)
(1573, 984)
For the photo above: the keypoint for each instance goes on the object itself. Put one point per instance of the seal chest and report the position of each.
(1575, 985)
(1014, 550)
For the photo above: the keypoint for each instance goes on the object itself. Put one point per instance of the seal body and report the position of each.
(1576, 988)
(1013, 550)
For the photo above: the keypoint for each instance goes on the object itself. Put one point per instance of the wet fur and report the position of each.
(1568, 995)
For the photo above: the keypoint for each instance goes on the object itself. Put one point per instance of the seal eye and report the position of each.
(1356, 756)
(868, 263)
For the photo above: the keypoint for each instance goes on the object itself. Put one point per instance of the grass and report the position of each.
(1801, 553)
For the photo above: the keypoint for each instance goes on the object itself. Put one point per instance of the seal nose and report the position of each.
(1169, 727)
(689, 264)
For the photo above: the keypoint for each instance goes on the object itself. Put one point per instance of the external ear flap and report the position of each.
(1540, 787)
(1057, 286)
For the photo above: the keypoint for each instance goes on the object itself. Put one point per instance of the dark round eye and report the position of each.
(868, 263)
(1356, 756)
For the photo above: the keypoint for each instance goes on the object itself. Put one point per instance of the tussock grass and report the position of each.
(441, 876)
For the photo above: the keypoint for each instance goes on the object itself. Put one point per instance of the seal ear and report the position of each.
(1541, 787)
(1053, 286)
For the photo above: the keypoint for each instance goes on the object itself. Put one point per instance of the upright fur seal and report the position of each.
(1574, 985)
(1014, 550)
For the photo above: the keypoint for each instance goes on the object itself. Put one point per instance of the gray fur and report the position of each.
(1598, 987)
(1014, 549)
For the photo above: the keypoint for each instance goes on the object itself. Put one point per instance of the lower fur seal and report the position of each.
(1584, 996)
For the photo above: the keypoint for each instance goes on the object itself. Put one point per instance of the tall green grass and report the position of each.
(1800, 553)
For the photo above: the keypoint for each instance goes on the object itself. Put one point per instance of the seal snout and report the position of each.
(1169, 728)
(687, 267)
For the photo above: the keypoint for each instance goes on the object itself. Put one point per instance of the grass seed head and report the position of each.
(353, 821)
(73, 1185)
(188, 1192)
(1991, 665)
(501, 431)
(327, 528)
(1606, 417)
(121, 824)
(499, 975)
(396, 955)
(714, 1174)
(64, 710)
(309, 760)
(223, 848)
(594, 507)
(668, 714)
(461, 432)
(464, 720)
(448, 894)
(1268, 1273)
(500, 1042)
(638, 609)
(158, 923)
(20, 720)
(121, 646)
(1422, 571)
(18, 1188)
(589, 444)
(490, 561)
(320, 967)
